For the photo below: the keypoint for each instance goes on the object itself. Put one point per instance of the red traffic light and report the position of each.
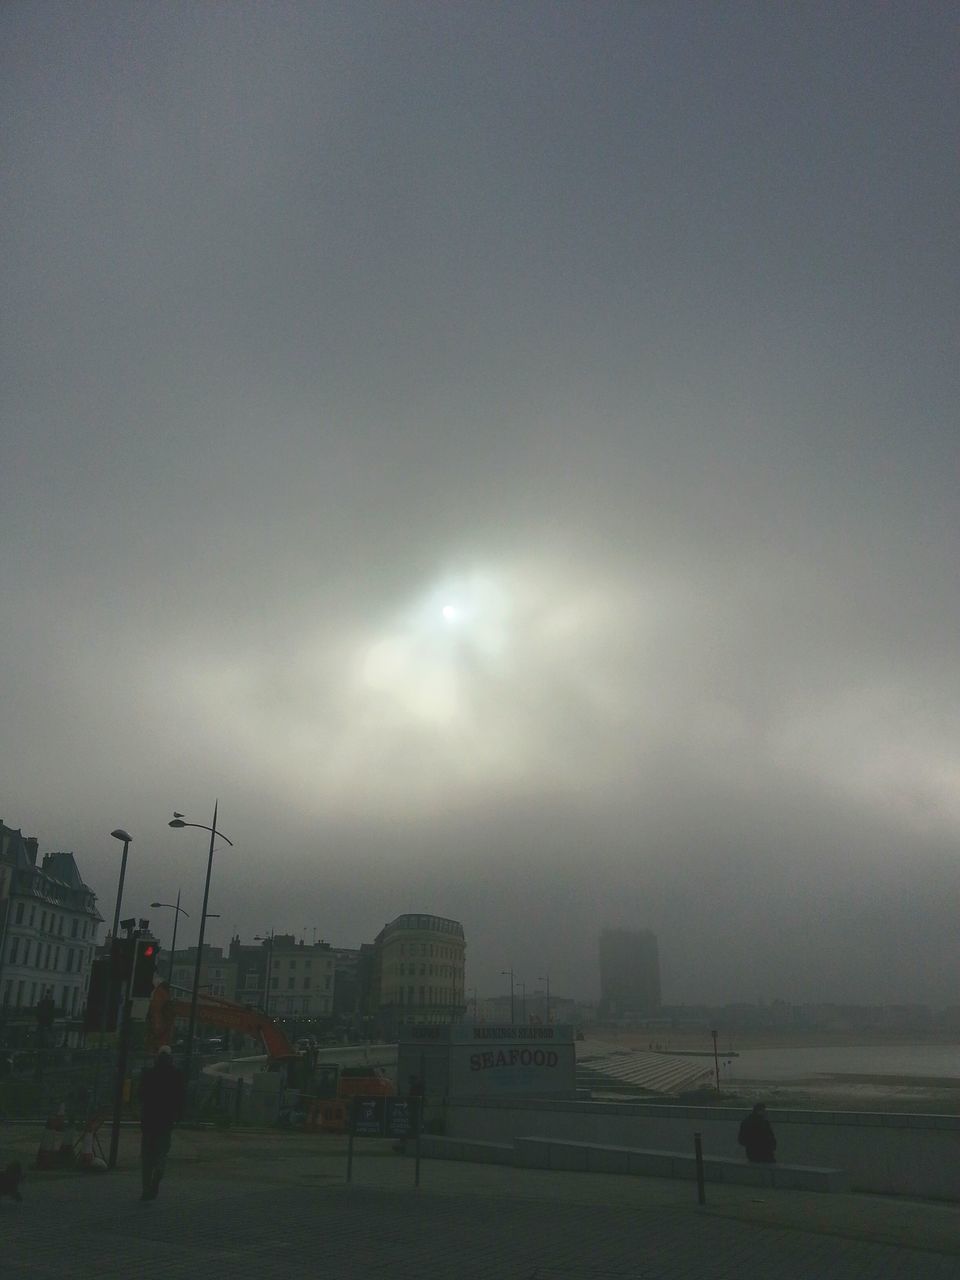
(147, 950)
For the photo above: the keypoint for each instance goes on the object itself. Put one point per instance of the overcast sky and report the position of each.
(508, 454)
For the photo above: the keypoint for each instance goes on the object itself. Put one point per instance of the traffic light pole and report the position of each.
(123, 1052)
(143, 954)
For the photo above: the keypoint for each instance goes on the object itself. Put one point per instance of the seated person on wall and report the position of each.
(757, 1137)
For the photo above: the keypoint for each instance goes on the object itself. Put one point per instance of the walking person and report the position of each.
(757, 1137)
(162, 1094)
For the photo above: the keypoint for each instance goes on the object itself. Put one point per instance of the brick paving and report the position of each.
(226, 1213)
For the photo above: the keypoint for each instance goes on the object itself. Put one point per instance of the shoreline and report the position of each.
(699, 1041)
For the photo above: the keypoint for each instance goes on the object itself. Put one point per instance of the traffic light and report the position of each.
(144, 964)
(101, 1011)
(121, 958)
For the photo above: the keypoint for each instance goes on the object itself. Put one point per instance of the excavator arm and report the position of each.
(215, 1012)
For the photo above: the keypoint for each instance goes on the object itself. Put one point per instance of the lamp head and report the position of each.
(176, 822)
(120, 834)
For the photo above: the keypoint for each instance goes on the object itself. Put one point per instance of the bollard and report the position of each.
(698, 1152)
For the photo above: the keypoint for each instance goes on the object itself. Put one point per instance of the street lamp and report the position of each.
(177, 821)
(176, 920)
(125, 836)
(109, 993)
(504, 973)
(547, 981)
(262, 937)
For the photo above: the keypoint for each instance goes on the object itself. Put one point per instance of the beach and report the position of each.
(824, 1070)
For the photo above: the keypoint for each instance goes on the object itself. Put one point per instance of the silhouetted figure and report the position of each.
(162, 1094)
(757, 1137)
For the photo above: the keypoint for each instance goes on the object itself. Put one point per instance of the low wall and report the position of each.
(915, 1155)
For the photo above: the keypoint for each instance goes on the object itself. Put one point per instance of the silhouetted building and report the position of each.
(629, 973)
(48, 927)
(419, 971)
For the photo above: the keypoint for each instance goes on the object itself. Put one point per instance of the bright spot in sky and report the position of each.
(450, 612)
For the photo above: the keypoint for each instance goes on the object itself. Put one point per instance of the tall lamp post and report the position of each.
(504, 973)
(109, 994)
(176, 920)
(523, 1000)
(266, 938)
(125, 836)
(546, 982)
(177, 821)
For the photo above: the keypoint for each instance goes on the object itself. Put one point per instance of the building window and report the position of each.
(291, 983)
(19, 913)
(306, 984)
(12, 952)
(74, 925)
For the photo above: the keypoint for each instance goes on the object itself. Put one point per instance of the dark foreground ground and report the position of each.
(254, 1205)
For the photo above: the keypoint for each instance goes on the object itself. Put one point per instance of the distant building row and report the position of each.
(412, 972)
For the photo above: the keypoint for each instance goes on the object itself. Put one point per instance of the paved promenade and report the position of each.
(236, 1206)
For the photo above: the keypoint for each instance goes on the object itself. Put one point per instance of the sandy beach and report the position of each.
(823, 1070)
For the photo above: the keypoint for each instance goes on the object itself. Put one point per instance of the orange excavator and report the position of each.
(213, 1011)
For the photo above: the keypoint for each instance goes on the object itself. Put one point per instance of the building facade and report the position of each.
(629, 973)
(420, 962)
(284, 977)
(48, 927)
(217, 972)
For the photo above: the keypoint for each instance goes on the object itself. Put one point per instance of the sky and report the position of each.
(506, 454)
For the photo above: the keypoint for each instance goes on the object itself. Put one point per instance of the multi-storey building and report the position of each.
(420, 971)
(301, 978)
(48, 927)
(217, 972)
(629, 972)
(285, 977)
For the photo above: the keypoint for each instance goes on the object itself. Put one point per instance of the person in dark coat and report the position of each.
(757, 1137)
(162, 1094)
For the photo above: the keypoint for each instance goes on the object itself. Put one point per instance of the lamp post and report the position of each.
(109, 994)
(504, 973)
(546, 981)
(176, 920)
(266, 938)
(523, 1000)
(177, 821)
(125, 836)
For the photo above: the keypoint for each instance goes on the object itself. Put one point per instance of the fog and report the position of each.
(507, 455)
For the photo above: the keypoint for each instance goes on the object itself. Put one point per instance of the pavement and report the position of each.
(239, 1205)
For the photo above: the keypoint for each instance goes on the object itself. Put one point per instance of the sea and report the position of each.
(935, 1061)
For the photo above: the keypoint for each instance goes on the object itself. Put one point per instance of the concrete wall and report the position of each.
(913, 1155)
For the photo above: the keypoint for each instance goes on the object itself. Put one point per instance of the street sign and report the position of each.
(400, 1116)
(369, 1117)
